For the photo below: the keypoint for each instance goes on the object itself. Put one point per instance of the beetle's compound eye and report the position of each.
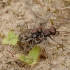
(52, 30)
(39, 29)
(46, 32)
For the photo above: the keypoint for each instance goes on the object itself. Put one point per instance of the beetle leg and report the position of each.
(54, 40)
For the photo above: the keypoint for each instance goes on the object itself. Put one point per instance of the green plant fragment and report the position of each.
(34, 53)
(11, 38)
(32, 56)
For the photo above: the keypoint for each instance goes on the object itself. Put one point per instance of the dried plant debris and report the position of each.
(20, 63)
(43, 54)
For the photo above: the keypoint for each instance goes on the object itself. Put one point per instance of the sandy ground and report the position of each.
(14, 14)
